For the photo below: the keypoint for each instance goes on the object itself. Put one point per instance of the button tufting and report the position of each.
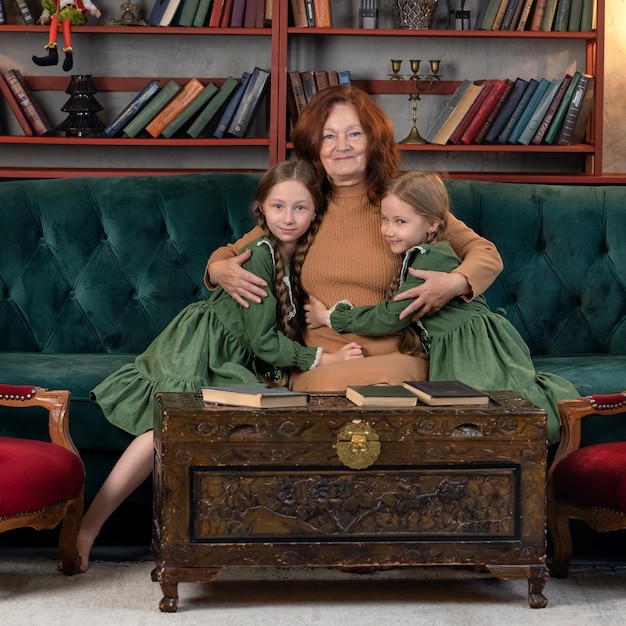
(71, 294)
(42, 241)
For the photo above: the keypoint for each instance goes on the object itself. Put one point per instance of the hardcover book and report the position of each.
(226, 13)
(116, 125)
(529, 90)
(344, 78)
(466, 101)
(489, 102)
(249, 15)
(446, 392)
(258, 397)
(552, 109)
(507, 109)
(539, 113)
(14, 105)
(537, 14)
(480, 136)
(212, 108)
(188, 12)
(310, 13)
(575, 16)
(298, 11)
(172, 109)
(323, 13)
(215, 18)
(524, 15)
(308, 84)
(296, 99)
(561, 16)
(455, 137)
(30, 106)
(250, 101)
(232, 105)
(158, 101)
(499, 17)
(381, 395)
(189, 111)
(578, 112)
(24, 11)
(548, 15)
(236, 18)
(490, 14)
(529, 109)
(202, 14)
(447, 111)
(555, 128)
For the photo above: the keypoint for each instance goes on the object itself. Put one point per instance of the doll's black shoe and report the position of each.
(68, 64)
(51, 59)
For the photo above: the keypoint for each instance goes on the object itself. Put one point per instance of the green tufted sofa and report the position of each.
(91, 269)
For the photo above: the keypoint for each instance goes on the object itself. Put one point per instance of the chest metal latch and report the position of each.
(358, 445)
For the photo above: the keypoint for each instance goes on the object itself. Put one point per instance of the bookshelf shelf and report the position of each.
(282, 48)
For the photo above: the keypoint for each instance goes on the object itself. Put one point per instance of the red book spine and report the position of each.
(485, 108)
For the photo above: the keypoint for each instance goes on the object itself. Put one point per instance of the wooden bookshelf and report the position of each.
(583, 161)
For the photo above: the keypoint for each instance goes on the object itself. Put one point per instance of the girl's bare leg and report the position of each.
(132, 468)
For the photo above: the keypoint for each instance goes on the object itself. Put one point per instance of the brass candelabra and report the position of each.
(414, 86)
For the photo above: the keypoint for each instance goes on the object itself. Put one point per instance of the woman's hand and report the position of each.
(437, 289)
(242, 285)
(346, 353)
(315, 313)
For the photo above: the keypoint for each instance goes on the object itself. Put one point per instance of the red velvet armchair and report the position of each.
(587, 483)
(41, 483)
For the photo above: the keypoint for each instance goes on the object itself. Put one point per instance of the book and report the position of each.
(14, 105)
(190, 110)
(308, 84)
(497, 20)
(555, 128)
(455, 137)
(548, 15)
(147, 113)
(561, 15)
(261, 10)
(511, 8)
(202, 13)
(174, 107)
(506, 110)
(446, 111)
(321, 79)
(537, 15)
(257, 397)
(226, 13)
(344, 78)
(212, 108)
(493, 95)
(232, 105)
(310, 13)
(575, 16)
(188, 12)
(29, 104)
(446, 392)
(480, 136)
(296, 99)
(298, 10)
(525, 14)
(529, 109)
(466, 101)
(167, 12)
(381, 395)
(490, 14)
(519, 7)
(480, 14)
(24, 11)
(580, 109)
(323, 14)
(236, 17)
(540, 110)
(249, 14)
(551, 112)
(250, 101)
(588, 15)
(116, 125)
(3, 19)
(333, 78)
(531, 86)
(216, 14)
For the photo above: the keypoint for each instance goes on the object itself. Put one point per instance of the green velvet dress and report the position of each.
(212, 342)
(466, 341)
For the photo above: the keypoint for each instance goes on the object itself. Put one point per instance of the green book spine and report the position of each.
(213, 106)
(145, 116)
(188, 112)
(557, 121)
(202, 12)
(188, 12)
(538, 94)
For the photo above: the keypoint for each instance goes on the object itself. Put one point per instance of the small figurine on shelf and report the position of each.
(67, 13)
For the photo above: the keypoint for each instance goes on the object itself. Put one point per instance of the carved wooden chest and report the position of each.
(333, 484)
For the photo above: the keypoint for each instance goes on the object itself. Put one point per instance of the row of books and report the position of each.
(212, 13)
(193, 109)
(26, 108)
(23, 10)
(537, 15)
(433, 393)
(304, 85)
(311, 13)
(534, 111)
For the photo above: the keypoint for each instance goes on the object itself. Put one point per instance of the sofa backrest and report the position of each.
(103, 264)
(564, 252)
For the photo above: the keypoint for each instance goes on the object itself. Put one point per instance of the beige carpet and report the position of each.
(111, 594)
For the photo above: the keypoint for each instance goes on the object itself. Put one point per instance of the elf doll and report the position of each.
(68, 13)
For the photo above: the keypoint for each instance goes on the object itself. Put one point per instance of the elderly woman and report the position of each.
(349, 140)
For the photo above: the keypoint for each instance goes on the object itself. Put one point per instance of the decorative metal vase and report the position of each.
(416, 14)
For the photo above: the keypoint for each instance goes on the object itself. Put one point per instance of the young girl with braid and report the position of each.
(219, 342)
(465, 341)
